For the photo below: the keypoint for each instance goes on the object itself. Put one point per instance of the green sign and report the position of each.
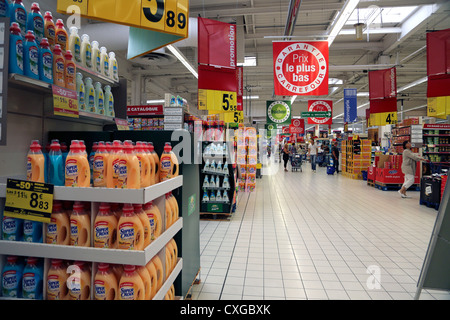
(270, 129)
(215, 207)
(278, 112)
(191, 204)
(316, 114)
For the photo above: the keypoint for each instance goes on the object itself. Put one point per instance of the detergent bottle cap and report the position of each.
(15, 29)
(167, 147)
(35, 146)
(44, 43)
(103, 267)
(30, 36)
(35, 7)
(68, 55)
(32, 261)
(48, 15)
(57, 206)
(60, 23)
(128, 209)
(129, 268)
(57, 50)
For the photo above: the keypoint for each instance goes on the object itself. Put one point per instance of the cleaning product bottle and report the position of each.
(45, 62)
(113, 67)
(79, 282)
(80, 226)
(15, 49)
(129, 175)
(140, 213)
(153, 278)
(81, 93)
(112, 170)
(56, 164)
(75, 44)
(168, 163)
(61, 36)
(4, 8)
(159, 271)
(131, 286)
(155, 219)
(12, 278)
(105, 228)
(105, 283)
(91, 159)
(104, 62)
(32, 231)
(32, 280)
(130, 232)
(58, 230)
(157, 162)
(59, 65)
(31, 56)
(77, 172)
(35, 163)
(47, 161)
(146, 149)
(205, 197)
(12, 229)
(100, 166)
(175, 207)
(99, 98)
(18, 14)
(144, 165)
(70, 71)
(109, 102)
(56, 281)
(90, 95)
(146, 279)
(169, 212)
(35, 22)
(96, 59)
(49, 29)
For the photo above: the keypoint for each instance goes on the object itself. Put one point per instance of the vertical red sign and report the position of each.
(240, 88)
(383, 90)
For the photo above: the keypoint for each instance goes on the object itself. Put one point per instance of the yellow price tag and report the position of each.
(218, 101)
(29, 200)
(388, 118)
(65, 102)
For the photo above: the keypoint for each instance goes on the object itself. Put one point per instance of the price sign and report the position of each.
(29, 200)
(65, 102)
(216, 100)
(383, 118)
(235, 117)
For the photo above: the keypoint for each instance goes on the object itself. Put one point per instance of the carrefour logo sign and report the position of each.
(278, 112)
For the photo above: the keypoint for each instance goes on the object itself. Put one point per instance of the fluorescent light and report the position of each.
(342, 18)
(362, 94)
(177, 53)
(248, 62)
(250, 97)
(335, 81)
(413, 84)
(155, 101)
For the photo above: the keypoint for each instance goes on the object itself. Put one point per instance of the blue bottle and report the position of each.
(45, 62)
(32, 231)
(15, 49)
(4, 8)
(12, 278)
(31, 56)
(17, 13)
(35, 22)
(32, 280)
(56, 164)
(12, 229)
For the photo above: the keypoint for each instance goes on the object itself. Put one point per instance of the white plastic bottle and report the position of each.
(104, 62)
(96, 64)
(75, 44)
(86, 52)
(113, 67)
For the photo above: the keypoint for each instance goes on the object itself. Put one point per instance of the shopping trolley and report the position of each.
(296, 162)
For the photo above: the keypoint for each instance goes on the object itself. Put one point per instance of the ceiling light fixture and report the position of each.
(342, 18)
(155, 101)
(177, 53)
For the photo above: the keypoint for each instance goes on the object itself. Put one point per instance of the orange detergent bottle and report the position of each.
(131, 286)
(130, 232)
(58, 230)
(112, 178)
(78, 173)
(100, 166)
(146, 279)
(80, 226)
(105, 228)
(175, 208)
(35, 163)
(61, 35)
(129, 172)
(169, 212)
(56, 281)
(159, 271)
(151, 149)
(59, 65)
(105, 283)
(49, 29)
(144, 165)
(79, 282)
(70, 71)
(155, 219)
(139, 211)
(153, 278)
(168, 164)
(151, 159)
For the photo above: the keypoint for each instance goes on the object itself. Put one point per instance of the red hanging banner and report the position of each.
(297, 126)
(320, 106)
(240, 88)
(300, 68)
(383, 97)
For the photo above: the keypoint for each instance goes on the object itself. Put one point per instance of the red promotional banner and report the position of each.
(148, 110)
(300, 68)
(383, 84)
(320, 105)
(216, 43)
(240, 88)
(297, 126)
(438, 52)
(212, 78)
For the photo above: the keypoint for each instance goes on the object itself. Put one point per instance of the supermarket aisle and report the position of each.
(313, 236)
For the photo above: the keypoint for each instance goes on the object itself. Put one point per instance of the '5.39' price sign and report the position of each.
(29, 200)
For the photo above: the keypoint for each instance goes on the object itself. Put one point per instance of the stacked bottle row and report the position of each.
(93, 98)
(79, 280)
(112, 165)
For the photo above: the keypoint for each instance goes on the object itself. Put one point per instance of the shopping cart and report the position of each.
(296, 162)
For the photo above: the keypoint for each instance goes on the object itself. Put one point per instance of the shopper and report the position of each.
(335, 156)
(409, 167)
(286, 154)
(312, 152)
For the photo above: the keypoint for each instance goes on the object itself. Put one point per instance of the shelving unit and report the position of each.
(436, 141)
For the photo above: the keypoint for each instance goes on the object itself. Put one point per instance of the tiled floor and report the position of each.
(302, 235)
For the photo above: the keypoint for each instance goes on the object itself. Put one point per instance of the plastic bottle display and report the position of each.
(146, 280)
(105, 283)
(159, 271)
(140, 213)
(100, 166)
(58, 230)
(79, 282)
(49, 29)
(104, 62)
(61, 36)
(81, 93)
(113, 67)
(32, 231)
(144, 165)
(56, 165)
(4, 8)
(45, 62)
(168, 163)
(129, 176)
(59, 65)
(70, 71)
(15, 49)
(112, 178)
(12, 278)
(31, 56)
(18, 14)
(169, 212)
(86, 52)
(154, 217)
(131, 286)
(77, 171)
(75, 44)
(90, 95)
(32, 281)
(156, 160)
(80, 226)
(175, 207)
(99, 98)
(130, 232)
(105, 228)
(35, 163)
(12, 229)
(96, 59)
(109, 102)
(153, 278)
(56, 281)
(35, 22)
